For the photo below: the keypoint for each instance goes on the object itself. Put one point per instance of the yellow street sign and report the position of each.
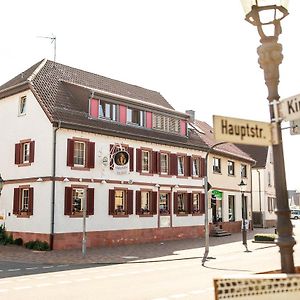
(244, 131)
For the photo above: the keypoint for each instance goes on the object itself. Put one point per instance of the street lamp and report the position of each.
(1, 184)
(242, 186)
(266, 16)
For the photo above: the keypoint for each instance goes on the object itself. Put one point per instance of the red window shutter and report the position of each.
(68, 201)
(111, 155)
(138, 160)
(158, 162)
(138, 202)
(173, 164)
(154, 203)
(111, 202)
(175, 203)
(129, 202)
(16, 204)
(91, 155)
(202, 203)
(70, 153)
(30, 202)
(202, 167)
(90, 201)
(131, 158)
(31, 153)
(154, 162)
(189, 202)
(17, 154)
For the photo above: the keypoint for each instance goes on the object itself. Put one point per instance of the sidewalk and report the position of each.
(179, 249)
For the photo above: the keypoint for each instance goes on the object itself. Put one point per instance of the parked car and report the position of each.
(295, 214)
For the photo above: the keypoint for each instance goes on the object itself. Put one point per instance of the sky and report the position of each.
(199, 55)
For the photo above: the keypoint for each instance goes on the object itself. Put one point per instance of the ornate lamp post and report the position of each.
(266, 15)
(242, 186)
(1, 184)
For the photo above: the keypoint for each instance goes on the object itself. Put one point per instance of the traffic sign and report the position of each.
(295, 127)
(289, 108)
(244, 131)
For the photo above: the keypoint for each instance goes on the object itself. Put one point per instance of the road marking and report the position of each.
(31, 268)
(48, 267)
(1, 270)
(13, 270)
(24, 287)
(44, 284)
(61, 266)
(64, 282)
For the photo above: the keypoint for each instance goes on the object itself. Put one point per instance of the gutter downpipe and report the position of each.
(53, 186)
(205, 256)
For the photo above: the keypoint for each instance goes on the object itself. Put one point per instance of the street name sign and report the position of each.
(289, 108)
(244, 131)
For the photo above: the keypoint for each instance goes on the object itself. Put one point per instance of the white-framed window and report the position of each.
(22, 105)
(24, 199)
(182, 206)
(78, 195)
(216, 165)
(79, 153)
(145, 161)
(135, 117)
(196, 166)
(243, 171)
(108, 110)
(145, 202)
(26, 152)
(164, 163)
(180, 165)
(230, 166)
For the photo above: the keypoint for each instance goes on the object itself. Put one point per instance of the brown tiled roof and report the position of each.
(258, 153)
(63, 92)
(227, 149)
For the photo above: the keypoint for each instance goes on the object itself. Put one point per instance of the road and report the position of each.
(177, 276)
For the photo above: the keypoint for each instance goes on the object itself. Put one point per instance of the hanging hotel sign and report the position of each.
(244, 131)
(217, 194)
(121, 162)
(289, 108)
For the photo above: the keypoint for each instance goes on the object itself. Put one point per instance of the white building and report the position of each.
(73, 138)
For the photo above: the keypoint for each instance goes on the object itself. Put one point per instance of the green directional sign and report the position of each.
(217, 194)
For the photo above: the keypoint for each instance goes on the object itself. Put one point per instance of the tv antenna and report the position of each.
(53, 40)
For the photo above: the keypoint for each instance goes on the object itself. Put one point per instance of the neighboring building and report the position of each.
(74, 139)
(227, 166)
(263, 187)
(294, 198)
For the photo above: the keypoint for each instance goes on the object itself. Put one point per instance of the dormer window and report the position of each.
(108, 110)
(22, 106)
(135, 117)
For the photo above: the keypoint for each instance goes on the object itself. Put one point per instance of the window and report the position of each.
(74, 200)
(271, 204)
(164, 204)
(22, 106)
(135, 116)
(216, 165)
(146, 203)
(180, 165)
(243, 171)
(23, 201)
(164, 163)
(196, 166)
(181, 203)
(120, 202)
(145, 161)
(230, 166)
(198, 203)
(24, 152)
(108, 110)
(80, 153)
(231, 208)
(165, 123)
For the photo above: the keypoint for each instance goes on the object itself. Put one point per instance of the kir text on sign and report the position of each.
(243, 131)
(289, 108)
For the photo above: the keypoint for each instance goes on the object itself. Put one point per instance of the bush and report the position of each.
(37, 245)
(4, 237)
(265, 237)
(18, 241)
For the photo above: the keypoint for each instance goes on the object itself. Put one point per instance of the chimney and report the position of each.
(191, 113)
